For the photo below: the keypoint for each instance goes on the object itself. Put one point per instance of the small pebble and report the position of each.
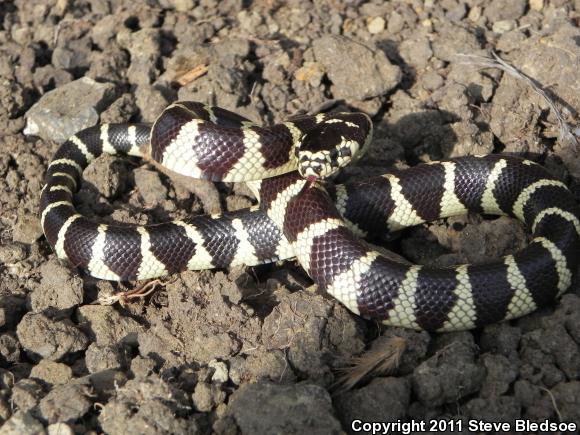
(376, 25)
(27, 229)
(474, 13)
(22, 422)
(220, 374)
(503, 26)
(60, 429)
(51, 372)
(396, 23)
(432, 81)
(12, 253)
(536, 5)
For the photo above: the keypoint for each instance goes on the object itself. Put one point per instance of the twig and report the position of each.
(565, 130)
(191, 75)
(124, 297)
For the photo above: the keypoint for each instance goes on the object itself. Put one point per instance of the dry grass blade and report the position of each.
(383, 358)
(553, 400)
(565, 131)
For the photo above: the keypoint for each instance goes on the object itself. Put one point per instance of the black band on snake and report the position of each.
(298, 217)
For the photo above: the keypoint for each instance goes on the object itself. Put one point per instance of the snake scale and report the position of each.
(321, 225)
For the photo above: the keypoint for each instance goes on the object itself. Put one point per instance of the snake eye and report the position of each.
(334, 154)
(345, 152)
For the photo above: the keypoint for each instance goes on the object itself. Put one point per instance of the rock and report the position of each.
(312, 344)
(150, 101)
(11, 309)
(11, 253)
(60, 429)
(59, 288)
(417, 51)
(65, 403)
(395, 23)
(432, 81)
(301, 408)
(220, 374)
(51, 372)
(107, 174)
(160, 342)
(513, 120)
(474, 13)
(141, 367)
(49, 339)
(310, 72)
(376, 25)
(147, 406)
(510, 41)
(9, 348)
(227, 78)
(120, 110)
(504, 26)
(26, 394)
(367, 74)
(536, 5)
(451, 374)
(63, 58)
(536, 403)
(207, 396)
(454, 39)
(568, 313)
(187, 331)
(106, 382)
(567, 396)
(107, 326)
(27, 229)
(271, 365)
(52, 119)
(109, 66)
(100, 357)
(551, 345)
(183, 5)
(22, 423)
(501, 372)
(144, 48)
(276, 67)
(502, 236)
(150, 187)
(501, 338)
(498, 10)
(384, 399)
(457, 13)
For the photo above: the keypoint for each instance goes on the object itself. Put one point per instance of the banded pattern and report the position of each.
(133, 252)
(421, 297)
(298, 217)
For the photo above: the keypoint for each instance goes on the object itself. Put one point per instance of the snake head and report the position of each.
(332, 143)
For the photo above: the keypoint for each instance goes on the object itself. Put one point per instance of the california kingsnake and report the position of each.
(321, 228)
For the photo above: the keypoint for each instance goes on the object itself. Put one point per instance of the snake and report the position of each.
(301, 215)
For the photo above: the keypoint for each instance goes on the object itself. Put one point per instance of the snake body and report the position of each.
(321, 226)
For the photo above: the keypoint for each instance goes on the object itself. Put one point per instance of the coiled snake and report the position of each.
(321, 227)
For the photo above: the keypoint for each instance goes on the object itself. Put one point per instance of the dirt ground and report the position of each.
(258, 350)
